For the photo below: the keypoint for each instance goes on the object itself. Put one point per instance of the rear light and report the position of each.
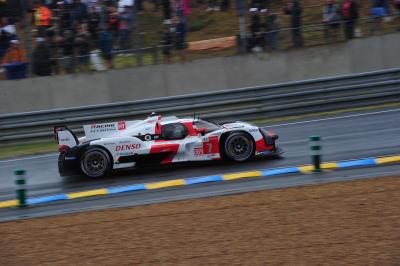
(62, 148)
(272, 135)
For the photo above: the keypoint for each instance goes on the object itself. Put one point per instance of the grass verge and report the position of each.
(27, 149)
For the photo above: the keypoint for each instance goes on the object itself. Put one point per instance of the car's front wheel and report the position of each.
(95, 162)
(239, 147)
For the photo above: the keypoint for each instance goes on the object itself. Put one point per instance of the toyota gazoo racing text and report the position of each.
(159, 140)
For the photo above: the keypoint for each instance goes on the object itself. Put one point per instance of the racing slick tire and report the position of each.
(239, 147)
(95, 162)
(61, 164)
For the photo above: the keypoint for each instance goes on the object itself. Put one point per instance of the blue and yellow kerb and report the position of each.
(206, 179)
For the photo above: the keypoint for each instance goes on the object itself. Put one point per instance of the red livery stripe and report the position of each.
(170, 148)
(191, 130)
(212, 146)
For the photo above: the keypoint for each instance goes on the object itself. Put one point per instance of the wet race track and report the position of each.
(344, 137)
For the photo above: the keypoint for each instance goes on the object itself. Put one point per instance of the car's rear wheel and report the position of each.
(95, 162)
(239, 147)
(61, 163)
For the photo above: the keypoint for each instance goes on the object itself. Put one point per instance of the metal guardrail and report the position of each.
(245, 103)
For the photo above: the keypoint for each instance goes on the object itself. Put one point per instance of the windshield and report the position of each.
(208, 126)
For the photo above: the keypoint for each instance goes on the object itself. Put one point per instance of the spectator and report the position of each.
(41, 61)
(350, 16)
(271, 27)
(125, 28)
(182, 10)
(396, 4)
(7, 33)
(92, 4)
(106, 46)
(67, 45)
(113, 23)
(8, 27)
(180, 37)
(15, 60)
(82, 44)
(51, 4)
(53, 44)
(42, 18)
(79, 13)
(166, 10)
(186, 9)
(378, 12)
(124, 3)
(294, 9)
(331, 20)
(166, 42)
(93, 25)
(65, 20)
(15, 53)
(386, 5)
(255, 31)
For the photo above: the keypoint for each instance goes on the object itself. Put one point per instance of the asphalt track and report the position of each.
(350, 136)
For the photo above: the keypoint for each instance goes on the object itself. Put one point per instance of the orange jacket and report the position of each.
(43, 16)
(15, 55)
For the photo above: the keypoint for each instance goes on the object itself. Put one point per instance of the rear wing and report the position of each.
(65, 137)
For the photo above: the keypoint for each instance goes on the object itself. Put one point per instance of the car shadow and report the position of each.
(156, 173)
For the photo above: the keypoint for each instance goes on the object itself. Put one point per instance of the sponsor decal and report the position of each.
(95, 126)
(65, 139)
(102, 128)
(127, 147)
(198, 151)
(121, 125)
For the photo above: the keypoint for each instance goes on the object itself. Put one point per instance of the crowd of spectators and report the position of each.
(73, 34)
(69, 34)
(265, 22)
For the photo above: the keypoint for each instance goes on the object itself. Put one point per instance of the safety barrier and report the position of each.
(237, 104)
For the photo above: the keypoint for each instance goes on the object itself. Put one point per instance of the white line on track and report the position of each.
(29, 158)
(275, 125)
(332, 118)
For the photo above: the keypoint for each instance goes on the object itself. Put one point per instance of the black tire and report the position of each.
(95, 162)
(239, 147)
(61, 163)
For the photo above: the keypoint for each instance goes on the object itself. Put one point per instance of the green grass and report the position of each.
(19, 150)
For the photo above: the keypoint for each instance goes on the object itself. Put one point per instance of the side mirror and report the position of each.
(202, 131)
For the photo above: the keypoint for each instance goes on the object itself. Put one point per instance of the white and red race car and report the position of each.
(159, 140)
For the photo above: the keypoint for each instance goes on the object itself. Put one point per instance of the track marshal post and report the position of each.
(315, 146)
(20, 181)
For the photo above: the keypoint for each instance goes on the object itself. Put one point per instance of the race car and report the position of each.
(159, 140)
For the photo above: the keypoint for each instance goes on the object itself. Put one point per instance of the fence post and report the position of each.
(21, 187)
(315, 147)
